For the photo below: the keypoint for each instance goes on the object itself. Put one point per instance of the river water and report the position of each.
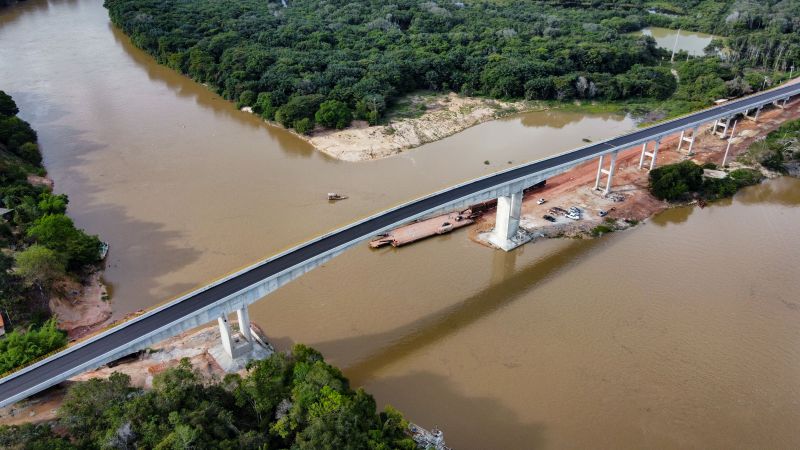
(681, 332)
(694, 43)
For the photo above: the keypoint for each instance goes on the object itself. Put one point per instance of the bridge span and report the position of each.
(235, 292)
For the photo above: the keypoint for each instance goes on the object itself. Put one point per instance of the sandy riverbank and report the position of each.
(202, 347)
(426, 118)
(630, 201)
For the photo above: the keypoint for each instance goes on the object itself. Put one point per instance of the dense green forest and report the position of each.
(39, 244)
(285, 401)
(328, 61)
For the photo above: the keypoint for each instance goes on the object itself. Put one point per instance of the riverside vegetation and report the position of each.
(293, 400)
(39, 244)
(326, 62)
(775, 152)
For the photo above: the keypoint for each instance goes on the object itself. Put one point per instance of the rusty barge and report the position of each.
(438, 225)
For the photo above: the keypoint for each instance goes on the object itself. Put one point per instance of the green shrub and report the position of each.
(746, 177)
(17, 349)
(709, 165)
(333, 114)
(601, 229)
(246, 98)
(674, 181)
(57, 232)
(772, 159)
(303, 126)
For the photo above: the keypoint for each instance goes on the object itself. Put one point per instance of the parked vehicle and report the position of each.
(541, 201)
(602, 213)
(573, 216)
(445, 228)
(549, 218)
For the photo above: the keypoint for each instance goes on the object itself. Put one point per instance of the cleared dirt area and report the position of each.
(202, 347)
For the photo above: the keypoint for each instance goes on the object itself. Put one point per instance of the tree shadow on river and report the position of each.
(205, 97)
(67, 151)
(468, 421)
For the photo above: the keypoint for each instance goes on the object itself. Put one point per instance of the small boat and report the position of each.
(103, 252)
(541, 201)
(333, 196)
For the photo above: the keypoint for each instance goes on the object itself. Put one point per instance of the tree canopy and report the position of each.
(293, 400)
(287, 62)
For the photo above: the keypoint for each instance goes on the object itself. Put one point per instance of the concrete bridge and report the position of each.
(218, 300)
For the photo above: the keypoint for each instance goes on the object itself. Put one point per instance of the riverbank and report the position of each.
(202, 348)
(630, 201)
(81, 307)
(418, 119)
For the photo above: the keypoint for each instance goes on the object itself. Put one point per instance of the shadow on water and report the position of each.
(558, 119)
(507, 286)
(784, 191)
(66, 151)
(185, 87)
(457, 411)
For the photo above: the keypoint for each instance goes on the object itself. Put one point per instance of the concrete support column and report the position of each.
(780, 105)
(599, 173)
(694, 135)
(680, 141)
(641, 157)
(652, 155)
(507, 220)
(225, 334)
(728, 148)
(244, 323)
(611, 173)
(754, 117)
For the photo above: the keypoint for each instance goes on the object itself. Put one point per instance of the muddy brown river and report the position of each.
(683, 332)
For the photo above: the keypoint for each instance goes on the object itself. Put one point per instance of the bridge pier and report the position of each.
(781, 104)
(754, 117)
(244, 323)
(225, 335)
(652, 155)
(689, 139)
(728, 148)
(506, 221)
(609, 172)
(720, 124)
(229, 344)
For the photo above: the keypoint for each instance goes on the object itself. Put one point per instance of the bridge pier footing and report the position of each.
(506, 222)
(233, 347)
